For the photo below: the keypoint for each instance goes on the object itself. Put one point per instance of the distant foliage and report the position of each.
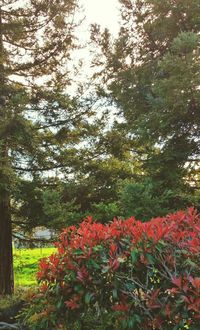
(140, 200)
(145, 200)
(122, 275)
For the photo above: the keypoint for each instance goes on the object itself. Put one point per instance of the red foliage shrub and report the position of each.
(143, 275)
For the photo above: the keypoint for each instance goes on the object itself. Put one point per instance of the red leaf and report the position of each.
(177, 281)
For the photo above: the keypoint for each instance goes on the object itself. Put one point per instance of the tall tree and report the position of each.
(108, 162)
(152, 75)
(40, 125)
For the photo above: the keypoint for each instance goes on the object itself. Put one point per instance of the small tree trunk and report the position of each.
(6, 256)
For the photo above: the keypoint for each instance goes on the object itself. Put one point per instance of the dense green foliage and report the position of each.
(152, 81)
(40, 124)
(35, 115)
(151, 74)
(139, 199)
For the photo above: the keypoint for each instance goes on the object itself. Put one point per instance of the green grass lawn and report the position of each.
(26, 264)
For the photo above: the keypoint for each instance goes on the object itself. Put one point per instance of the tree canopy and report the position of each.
(40, 124)
(151, 74)
(125, 143)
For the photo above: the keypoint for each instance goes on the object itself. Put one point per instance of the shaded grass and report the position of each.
(26, 264)
(7, 301)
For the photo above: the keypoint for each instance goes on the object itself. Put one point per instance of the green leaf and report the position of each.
(137, 318)
(130, 286)
(78, 252)
(93, 264)
(78, 288)
(150, 259)
(115, 294)
(59, 304)
(88, 297)
(97, 248)
(134, 255)
(131, 323)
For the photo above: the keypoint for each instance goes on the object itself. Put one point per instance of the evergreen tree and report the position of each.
(104, 163)
(40, 125)
(151, 73)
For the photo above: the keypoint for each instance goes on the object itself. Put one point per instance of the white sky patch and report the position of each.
(103, 12)
(106, 13)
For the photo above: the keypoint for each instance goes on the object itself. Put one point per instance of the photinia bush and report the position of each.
(122, 275)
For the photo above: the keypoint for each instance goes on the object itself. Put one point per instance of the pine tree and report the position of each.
(151, 73)
(39, 123)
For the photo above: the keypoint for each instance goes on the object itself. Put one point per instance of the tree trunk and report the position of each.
(6, 257)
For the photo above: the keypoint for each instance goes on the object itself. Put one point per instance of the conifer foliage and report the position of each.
(36, 115)
(151, 73)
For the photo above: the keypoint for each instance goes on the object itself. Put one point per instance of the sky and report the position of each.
(106, 14)
(103, 12)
